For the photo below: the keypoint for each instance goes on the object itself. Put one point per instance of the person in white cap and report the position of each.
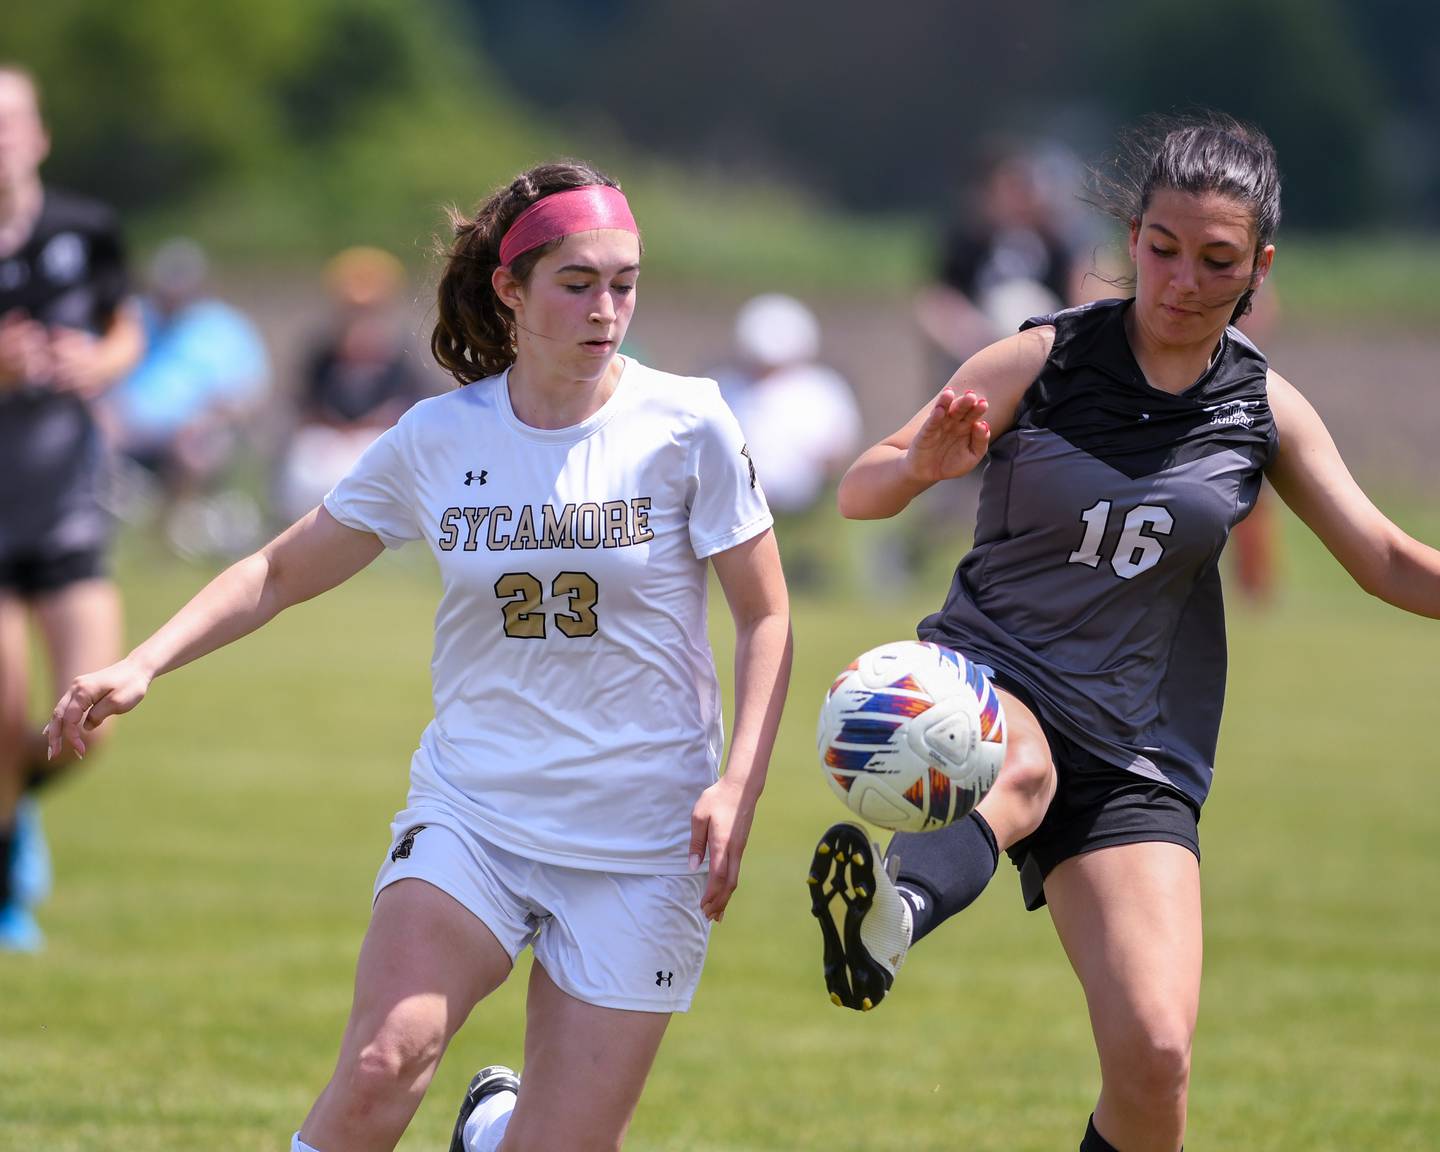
(801, 421)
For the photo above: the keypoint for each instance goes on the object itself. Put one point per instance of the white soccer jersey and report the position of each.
(577, 713)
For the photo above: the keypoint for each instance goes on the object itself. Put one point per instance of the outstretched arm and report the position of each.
(951, 434)
(1312, 479)
(313, 555)
(754, 586)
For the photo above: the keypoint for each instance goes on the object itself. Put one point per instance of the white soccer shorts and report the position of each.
(613, 939)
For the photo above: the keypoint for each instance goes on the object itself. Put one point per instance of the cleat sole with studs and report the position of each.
(842, 886)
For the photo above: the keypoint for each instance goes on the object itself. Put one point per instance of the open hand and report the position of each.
(953, 439)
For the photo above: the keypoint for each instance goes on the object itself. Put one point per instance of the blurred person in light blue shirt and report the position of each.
(185, 409)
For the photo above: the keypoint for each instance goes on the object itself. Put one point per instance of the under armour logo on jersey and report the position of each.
(664, 979)
(745, 451)
(407, 842)
(480, 479)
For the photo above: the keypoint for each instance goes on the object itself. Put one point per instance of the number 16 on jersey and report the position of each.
(1139, 548)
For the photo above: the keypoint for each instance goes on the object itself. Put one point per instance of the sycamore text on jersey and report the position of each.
(611, 524)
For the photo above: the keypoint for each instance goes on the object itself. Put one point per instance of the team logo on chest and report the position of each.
(1233, 412)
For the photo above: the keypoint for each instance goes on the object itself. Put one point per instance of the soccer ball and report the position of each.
(911, 736)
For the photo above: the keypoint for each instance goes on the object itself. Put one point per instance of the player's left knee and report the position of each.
(402, 1052)
(1153, 1066)
(1028, 783)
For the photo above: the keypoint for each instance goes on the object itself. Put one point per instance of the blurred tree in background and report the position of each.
(878, 108)
(305, 125)
(1292, 66)
(744, 129)
(884, 109)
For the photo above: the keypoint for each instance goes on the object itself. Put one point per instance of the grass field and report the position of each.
(214, 878)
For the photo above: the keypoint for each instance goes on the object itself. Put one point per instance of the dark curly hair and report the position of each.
(474, 333)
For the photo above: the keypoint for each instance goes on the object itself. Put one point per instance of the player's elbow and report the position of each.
(275, 580)
(845, 497)
(856, 501)
(1382, 572)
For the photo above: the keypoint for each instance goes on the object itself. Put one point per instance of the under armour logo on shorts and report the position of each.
(407, 842)
(664, 979)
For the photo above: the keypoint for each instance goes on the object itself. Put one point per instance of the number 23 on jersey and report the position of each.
(523, 596)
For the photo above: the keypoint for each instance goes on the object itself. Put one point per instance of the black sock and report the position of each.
(942, 872)
(1093, 1141)
(7, 853)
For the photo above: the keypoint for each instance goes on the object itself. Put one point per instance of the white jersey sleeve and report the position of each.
(378, 494)
(724, 499)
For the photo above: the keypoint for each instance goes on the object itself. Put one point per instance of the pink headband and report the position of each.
(565, 213)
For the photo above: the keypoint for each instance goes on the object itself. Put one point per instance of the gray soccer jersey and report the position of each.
(1094, 582)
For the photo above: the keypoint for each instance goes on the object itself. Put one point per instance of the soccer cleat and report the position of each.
(866, 944)
(485, 1083)
(31, 877)
(18, 930)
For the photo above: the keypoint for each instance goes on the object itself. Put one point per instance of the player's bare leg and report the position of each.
(80, 629)
(594, 1059)
(1129, 918)
(17, 925)
(425, 963)
(81, 626)
(14, 699)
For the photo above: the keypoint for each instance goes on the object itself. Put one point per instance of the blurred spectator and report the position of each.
(67, 332)
(1009, 256)
(801, 423)
(358, 381)
(1013, 251)
(185, 409)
